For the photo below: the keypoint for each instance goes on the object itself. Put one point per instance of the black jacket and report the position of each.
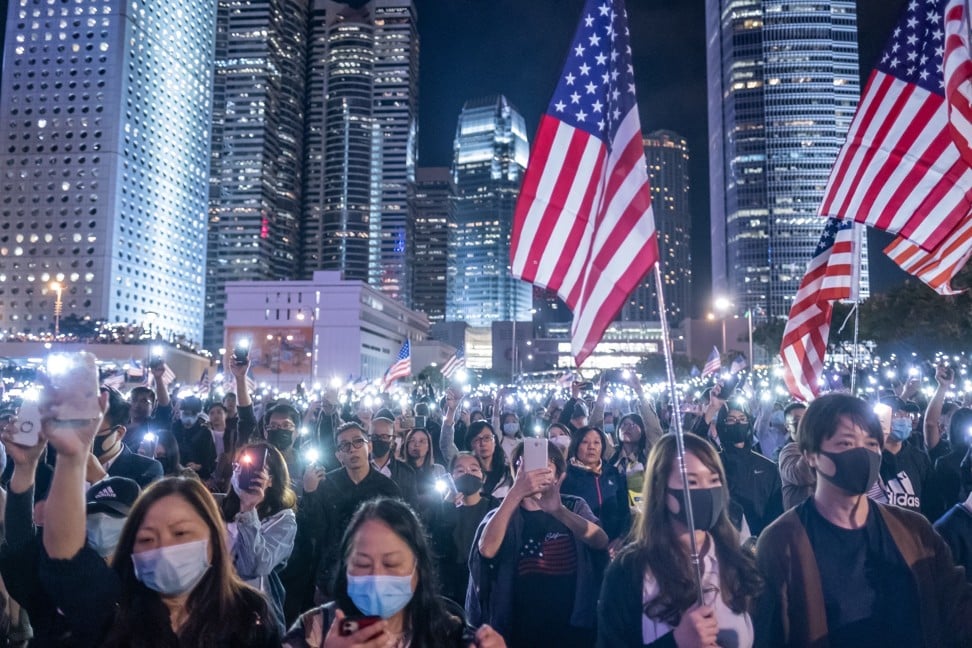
(142, 469)
(196, 445)
(754, 483)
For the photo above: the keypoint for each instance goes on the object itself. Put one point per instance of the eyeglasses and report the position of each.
(482, 440)
(737, 419)
(357, 444)
(285, 425)
(382, 437)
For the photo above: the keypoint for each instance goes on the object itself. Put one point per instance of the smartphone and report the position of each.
(445, 486)
(884, 413)
(728, 386)
(27, 429)
(534, 453)
(75, 377)
(418, 422)
(352, 624)
(241, 352)
(408, 422)
(251, 463)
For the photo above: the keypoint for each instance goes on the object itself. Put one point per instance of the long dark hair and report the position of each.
(659, 549)
(220, 606)
(642, 452)
(426, 617)
(279, 495)
(172, 461)
(429, 460)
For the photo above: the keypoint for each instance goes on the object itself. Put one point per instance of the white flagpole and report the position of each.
(676, 424)
(855, 294)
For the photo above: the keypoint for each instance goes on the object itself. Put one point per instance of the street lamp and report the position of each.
(57, 288)
(722, 306)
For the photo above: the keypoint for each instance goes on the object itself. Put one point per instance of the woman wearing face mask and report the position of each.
(482, 440)
(600, 484)
(649, 595)
(505, 419)
(559, 435)
(386, 571)
(455, 526)
(843, 570)
(262, 525)
(632, 454)
(171, 582)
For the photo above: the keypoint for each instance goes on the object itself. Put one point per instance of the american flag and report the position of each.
(905, 167)
(713, 364)
(204, 381)
(938, 266)
(402, 367)
(583, 224)
(828, 279)
(455, 363)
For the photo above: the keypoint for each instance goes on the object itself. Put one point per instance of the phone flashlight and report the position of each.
(312, 455)
(441, 486)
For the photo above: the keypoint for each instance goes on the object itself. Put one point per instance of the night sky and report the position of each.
(472, 48)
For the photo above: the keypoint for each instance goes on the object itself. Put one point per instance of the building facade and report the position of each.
(490, 154)
(783, 88)
(258, 122)
(361, 142)
(430, 249)
(667, 156)
(105, 117)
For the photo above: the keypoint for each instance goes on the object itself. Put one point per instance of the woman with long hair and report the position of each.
(649, 590)
(418, 455)
(482, 440)
(261, 523)
(385, 570)
(171, 582)
(631, 455)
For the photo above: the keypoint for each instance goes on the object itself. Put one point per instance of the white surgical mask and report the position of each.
(172, 570)
(103, 531)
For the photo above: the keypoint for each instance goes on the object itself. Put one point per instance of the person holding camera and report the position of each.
(110, 457)
(151, 411)
(233, 424)
(197, 448)
(259, 512)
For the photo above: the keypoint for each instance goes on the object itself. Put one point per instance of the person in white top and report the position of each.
(649, 595)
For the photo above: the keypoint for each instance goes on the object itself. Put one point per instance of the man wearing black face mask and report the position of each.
(110, 457)
(753, 480)
(843, 570)
(382, 439)
(281, 424)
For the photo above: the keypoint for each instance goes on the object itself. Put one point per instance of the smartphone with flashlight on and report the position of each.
(251, 465)
(27, 429)
(241, 352)
(156, 357)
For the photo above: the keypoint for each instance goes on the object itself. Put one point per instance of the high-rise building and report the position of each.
(258, 113)
(105, 117)
(783, 87)
(667, 156)
(429, 260)
(490, 154)
(361, 146)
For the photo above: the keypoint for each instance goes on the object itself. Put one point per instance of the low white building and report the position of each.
(316, 330)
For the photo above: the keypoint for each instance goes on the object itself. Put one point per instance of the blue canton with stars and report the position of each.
(596, 89)
(914, 52)
(829, 235)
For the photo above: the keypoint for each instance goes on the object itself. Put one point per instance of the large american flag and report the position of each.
(905, 167)
(939, 265)
(402, 367)
(583, 224)
(455, 363)
(828, 278)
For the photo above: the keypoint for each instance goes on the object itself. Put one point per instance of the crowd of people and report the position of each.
(204, 521)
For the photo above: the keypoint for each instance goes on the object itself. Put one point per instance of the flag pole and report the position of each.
(676, 424)
(855, 295)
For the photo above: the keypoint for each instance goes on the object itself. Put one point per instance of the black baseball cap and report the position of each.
(114, 496)
(384, 414)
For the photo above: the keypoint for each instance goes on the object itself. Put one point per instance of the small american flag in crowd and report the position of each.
(583, 224)
(905, 167)
(939, 265)
(455, 363)
(402, 367)
(713, 364)
(827, 280)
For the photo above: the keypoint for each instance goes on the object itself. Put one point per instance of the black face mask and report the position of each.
(856, 469)
(734, 433)
(280, 439)
(707, 506)
(102, 443)
(468, 484)
(380, 448)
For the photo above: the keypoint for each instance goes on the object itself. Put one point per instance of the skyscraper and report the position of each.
(258, 112)
(490, 154)
(362, 128)
(429, 260)
(105, 115)
(783, 88)
(667, 155)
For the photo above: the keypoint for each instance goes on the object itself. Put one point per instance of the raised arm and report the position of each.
(447, 437)
(933, 413)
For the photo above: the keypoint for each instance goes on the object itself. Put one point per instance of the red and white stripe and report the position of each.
(804, 347)
(938, 267)
(584, 225)
(957, 70)
(401, 369)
